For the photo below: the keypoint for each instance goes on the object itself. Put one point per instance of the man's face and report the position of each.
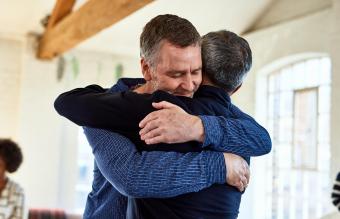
(177, 70)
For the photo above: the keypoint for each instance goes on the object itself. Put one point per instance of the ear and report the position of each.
(146, 69)
(234, 91)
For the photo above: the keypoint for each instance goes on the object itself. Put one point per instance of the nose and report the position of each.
(188, 83)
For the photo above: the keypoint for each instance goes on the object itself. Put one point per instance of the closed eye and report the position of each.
(175, 74)
(196, 72)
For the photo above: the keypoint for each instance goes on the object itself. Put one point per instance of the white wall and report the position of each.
(284, 10)
(49, 142)
(10, 52)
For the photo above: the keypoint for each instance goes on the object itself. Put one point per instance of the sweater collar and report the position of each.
(213, 92)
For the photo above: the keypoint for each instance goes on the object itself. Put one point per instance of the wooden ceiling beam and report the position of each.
(61, 9)
(91, 18)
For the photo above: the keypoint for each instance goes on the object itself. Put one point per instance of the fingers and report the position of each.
(151, 116)
(148, 127)
(151, 134)
(244, 181)
(157, 114)
(247, 175)
(246, 171)
(155, 140)
(163, 105)
(241, 186)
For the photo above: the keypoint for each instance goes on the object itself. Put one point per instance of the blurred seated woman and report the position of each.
(11, 194)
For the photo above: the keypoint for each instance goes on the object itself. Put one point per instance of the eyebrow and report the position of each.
(197, 69)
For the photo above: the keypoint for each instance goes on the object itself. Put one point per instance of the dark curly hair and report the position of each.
(11, 154)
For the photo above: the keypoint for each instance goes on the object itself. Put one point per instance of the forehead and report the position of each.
(171, 55)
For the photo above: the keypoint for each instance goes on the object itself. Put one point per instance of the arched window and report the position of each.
(298, 120)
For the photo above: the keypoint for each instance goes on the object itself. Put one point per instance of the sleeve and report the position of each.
(153, 174)
(119, 111)
(336, 192)
(240, 135)
(92, 106)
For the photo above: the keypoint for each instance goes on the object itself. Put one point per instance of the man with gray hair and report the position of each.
(175, 69)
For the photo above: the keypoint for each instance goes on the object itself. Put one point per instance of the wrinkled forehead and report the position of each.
(175, 55)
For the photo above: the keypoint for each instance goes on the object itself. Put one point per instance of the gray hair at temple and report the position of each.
(226, 59)
(176, 30)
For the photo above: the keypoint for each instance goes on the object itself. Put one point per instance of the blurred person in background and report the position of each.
(11, 194)
(336, 192)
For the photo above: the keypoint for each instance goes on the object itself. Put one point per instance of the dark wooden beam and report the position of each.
(91, 18)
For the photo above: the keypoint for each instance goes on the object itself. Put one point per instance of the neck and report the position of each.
(206, 81)
(146, 88)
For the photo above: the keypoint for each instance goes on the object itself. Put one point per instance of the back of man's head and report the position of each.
(176, 30)
(226, 59)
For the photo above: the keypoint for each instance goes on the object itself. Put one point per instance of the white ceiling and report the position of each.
(18, 17)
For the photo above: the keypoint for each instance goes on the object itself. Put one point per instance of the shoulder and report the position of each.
(15, 187)
(124, 84)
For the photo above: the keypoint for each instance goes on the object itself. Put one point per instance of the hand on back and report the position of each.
(170, 124)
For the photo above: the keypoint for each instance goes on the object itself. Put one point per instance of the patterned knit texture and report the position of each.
(153, 174)
(149, 174)
(235, 137)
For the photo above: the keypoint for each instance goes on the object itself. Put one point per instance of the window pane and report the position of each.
(324, 156)
(286, 103)
(285, 133)
(285, 156)
(305, 127)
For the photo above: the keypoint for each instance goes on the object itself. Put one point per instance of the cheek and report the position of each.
(198, 79)
(169, 84)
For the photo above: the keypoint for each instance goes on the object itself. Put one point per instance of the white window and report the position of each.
(298, 118)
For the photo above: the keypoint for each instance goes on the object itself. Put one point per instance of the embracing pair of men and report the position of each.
(171, 145)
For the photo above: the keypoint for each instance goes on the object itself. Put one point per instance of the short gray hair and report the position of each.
(176, 30)
(226, 59)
